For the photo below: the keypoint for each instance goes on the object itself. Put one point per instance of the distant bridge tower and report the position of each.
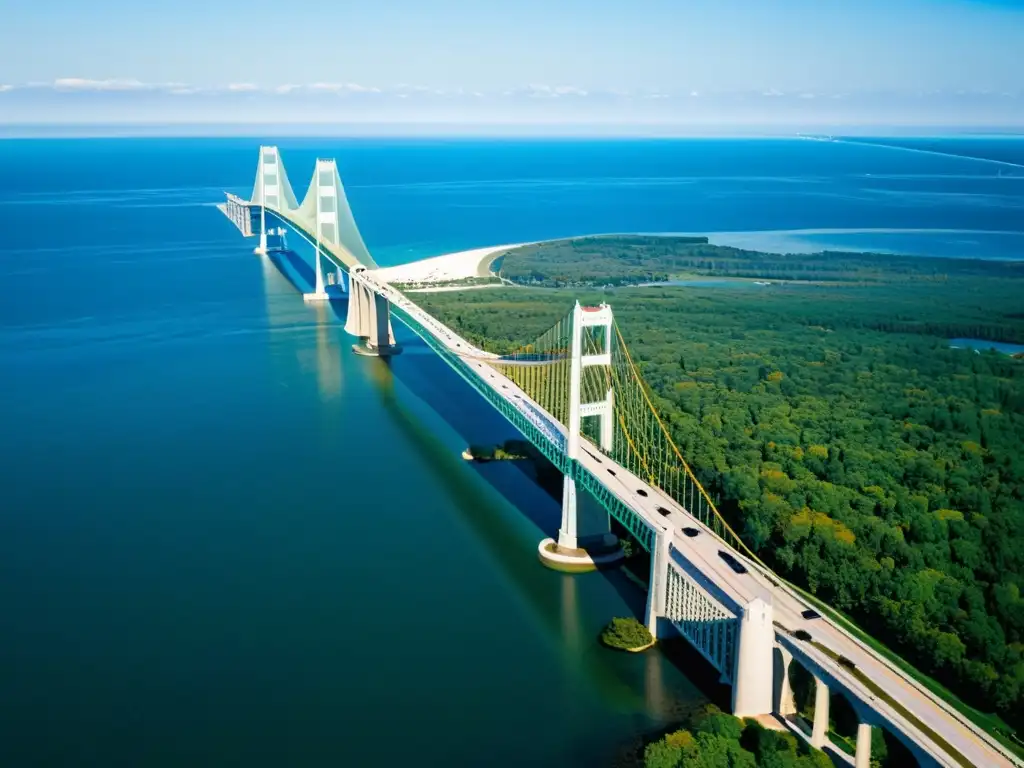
(326, 208)
(271, 190)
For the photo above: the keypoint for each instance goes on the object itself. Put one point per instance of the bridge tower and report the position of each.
(570, 552)
(323, 199)
(271, 190)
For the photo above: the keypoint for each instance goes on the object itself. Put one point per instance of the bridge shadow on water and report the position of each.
(478, 423)
(294, 269)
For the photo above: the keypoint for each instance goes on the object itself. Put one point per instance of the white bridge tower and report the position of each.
(567, 553)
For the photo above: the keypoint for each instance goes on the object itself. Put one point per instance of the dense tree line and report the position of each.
(714, 739)
(632, 259)
(857, 453)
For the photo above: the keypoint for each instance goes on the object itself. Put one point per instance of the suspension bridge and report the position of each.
(577, 395)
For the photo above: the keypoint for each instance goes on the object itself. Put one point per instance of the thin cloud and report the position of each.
(4, 88)
(85, 84)
(540, 91)
(343, 88)
(242, 87)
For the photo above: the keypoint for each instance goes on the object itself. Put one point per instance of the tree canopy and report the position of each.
(855, 451)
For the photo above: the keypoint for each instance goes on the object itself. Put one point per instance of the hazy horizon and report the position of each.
(714, 64)
(421, 129)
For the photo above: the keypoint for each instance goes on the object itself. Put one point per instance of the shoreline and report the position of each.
(449, 267)
(475, 262)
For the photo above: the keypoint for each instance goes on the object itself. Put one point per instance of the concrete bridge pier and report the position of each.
(369, 318)
(261, 249)
(657, 585)
(863, 757)
(319, 290)
(819, 732)
(752, 684)
(570, 515)
(784, 701)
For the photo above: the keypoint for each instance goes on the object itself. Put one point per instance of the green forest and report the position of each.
(856, 452)
(713, 738)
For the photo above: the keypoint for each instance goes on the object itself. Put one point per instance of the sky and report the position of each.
(713, 63)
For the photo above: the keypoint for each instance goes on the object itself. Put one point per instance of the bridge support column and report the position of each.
(785, 702)
(819, 733)
(369, 318)
(567, 531)
(261, 249)
(319, 291)
(657, 585)
(752, 683)
(863, 758)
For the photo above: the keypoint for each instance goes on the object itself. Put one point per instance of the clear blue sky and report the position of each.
(561, 60)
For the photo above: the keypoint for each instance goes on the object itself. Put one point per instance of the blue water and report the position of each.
(983, 345)
(224, 539)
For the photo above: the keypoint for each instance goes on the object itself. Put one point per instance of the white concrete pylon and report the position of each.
(567, 530)
(353, 325)
(863, 755)
(262, 247)
(657, 586)
(819, 732)
(369, 317)
(752, 682)
(785, 702)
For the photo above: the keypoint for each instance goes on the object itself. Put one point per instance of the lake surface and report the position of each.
(984, 345)
(226, 539)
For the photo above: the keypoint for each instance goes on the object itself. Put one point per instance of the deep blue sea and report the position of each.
(225, 539)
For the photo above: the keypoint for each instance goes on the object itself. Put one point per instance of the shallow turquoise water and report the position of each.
(225, 538)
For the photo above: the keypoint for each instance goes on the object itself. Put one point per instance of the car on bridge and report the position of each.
(732, 562)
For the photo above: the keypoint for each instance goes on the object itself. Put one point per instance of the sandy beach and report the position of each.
(446, 268)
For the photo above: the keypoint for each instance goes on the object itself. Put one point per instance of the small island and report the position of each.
(510, 450)
(628, 635)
